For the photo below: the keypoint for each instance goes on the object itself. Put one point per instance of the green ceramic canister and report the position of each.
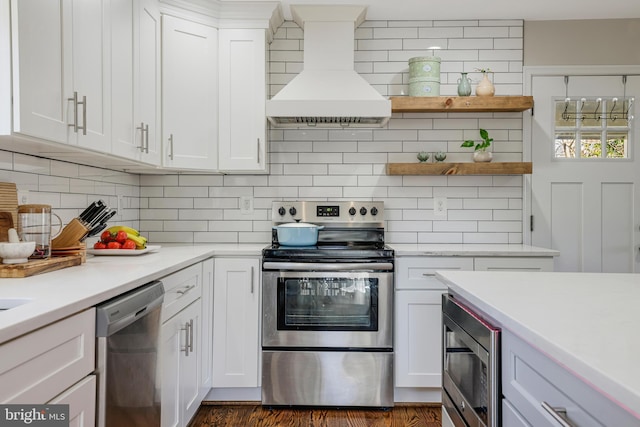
(427, 67)
(424, 87)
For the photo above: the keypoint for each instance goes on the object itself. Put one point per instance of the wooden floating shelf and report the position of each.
(438, 104)
(489, 168)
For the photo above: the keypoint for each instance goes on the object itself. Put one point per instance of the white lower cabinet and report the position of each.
(181, 356)
(81, 399)
(236, 323)
(418, 312)
(53, 364)
(179, 350)
(534, 386)
(418, 319)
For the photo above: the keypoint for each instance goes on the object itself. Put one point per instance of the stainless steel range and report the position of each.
(327, 331)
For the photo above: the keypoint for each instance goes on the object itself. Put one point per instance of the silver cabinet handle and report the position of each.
(141, 129)
(186, 339)
(258, 156)
(190, 326)
(146, 138)
(84, 115)
(185, 289)
(75, 125)
(252, 279)
(171, 146)
(429, 274)
(558, 414)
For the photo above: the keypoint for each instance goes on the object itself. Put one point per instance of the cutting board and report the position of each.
(34, 267)
(8, 208)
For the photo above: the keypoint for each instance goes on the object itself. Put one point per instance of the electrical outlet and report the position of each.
(23, 197)
(246, 204)
(440, 206)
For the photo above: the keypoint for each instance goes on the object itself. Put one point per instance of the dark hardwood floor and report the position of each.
(254, 415)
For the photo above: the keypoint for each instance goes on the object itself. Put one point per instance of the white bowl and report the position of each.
(16, 253)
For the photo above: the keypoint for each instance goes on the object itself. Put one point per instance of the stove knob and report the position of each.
(282, 211)
(292, 211)
(363, 211)
(352, 211)
(374, 211)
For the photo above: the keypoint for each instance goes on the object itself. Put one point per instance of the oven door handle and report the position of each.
(312, 266)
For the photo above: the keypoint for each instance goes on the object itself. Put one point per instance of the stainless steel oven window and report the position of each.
(328, 303)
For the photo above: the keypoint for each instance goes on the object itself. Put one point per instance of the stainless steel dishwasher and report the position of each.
(127, 340)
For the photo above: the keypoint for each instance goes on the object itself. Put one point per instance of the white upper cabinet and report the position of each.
(242, 100)
(61, 71)
(189, 94)
(136, 80)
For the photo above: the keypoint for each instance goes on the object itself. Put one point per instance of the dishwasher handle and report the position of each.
(123, 310)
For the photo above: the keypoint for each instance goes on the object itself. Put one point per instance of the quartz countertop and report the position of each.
(498, 250)
(60, 293)
(586, 322)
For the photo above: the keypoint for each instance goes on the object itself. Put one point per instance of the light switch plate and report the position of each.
(440, 207)
(246, 204)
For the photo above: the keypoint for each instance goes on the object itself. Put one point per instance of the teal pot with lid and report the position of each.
(298, 234)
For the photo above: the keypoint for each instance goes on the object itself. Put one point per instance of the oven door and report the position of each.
(327, 309)
(470, 380)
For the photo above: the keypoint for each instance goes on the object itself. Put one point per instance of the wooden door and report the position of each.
(586, 176)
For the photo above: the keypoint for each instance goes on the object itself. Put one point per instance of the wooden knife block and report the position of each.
(70, 235)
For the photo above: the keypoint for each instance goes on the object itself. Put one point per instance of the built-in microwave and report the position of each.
(470, 367)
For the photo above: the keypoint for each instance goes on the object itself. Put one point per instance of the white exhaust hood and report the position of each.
(328, 92)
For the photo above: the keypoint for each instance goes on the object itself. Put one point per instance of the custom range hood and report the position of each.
(328, 92)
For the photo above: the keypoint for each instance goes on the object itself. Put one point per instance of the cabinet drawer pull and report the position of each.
(429, 274)
(251, 279)
(190, 326)
(258, 156)
(171, 146)
(184, 290)
(558, 414)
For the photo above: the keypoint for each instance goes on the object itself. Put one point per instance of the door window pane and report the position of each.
(584, 126)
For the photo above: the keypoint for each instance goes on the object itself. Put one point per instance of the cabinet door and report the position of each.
(61, 47)
(190, 362)
(135, 39)
(418, 333)
(146, 81)
(206, 333)
(236, 322)
(242, 100)
(189, 94)
(81, 398)
(172, 340)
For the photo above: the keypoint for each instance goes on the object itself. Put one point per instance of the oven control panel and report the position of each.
(366, 213)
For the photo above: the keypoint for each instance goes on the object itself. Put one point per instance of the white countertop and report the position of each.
(587, 322)
(501, 250)
(61, 293)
